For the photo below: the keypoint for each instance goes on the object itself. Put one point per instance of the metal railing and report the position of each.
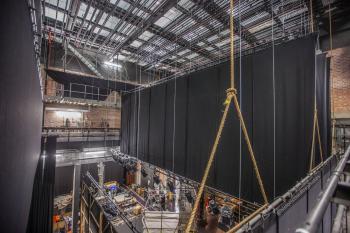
(82, 134)
(81, 93)
(342, 137)
(315, 217)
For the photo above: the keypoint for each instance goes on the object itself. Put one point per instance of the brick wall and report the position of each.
(94, 117)
(340, 73)
(97, 116)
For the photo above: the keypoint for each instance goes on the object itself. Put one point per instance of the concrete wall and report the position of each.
(20, 115)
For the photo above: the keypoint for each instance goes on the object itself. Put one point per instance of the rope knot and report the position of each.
(229, 94)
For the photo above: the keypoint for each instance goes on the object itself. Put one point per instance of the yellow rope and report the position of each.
(210, 161)
(231, 93)
(319, 138)
(315, 127)
(311, 17)
(332, 79)
(250, 149)
(232, 66)
(313, 142)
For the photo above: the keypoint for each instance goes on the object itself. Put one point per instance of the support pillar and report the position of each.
(76, 197)
(101, 175)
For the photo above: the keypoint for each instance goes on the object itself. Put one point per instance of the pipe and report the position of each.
(337, 225)
(316, 215)
(282, 199)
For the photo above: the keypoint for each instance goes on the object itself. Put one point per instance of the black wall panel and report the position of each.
(203, 124)
(157, 125)
(144, 124)
(169, 125)
(322, 85)
(64, 180)
(263, 119)
(126, 119)
(133, 124)
(294, 75)
(181, 125)
(20, 115)
(199, 107)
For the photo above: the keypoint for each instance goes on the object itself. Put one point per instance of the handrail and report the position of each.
(79, 128)
(286, 197)
(315, 217)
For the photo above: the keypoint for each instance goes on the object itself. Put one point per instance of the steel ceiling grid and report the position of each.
(135, 29)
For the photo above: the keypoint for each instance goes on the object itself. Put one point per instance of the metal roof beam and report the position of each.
(272, 13)
(155, 16)
(215, 11)
(159, 31)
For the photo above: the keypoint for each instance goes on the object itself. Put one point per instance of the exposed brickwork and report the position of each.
(340, 73)
(95, 117)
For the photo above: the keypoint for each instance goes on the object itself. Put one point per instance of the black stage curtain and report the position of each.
(41, 209)
(199, 98)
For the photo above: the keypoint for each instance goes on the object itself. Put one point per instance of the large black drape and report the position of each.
(294, 75)
(41, 209)
(20, 113)
(322, 98)
(284, 88)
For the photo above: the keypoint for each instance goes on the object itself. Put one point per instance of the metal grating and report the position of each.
(173, 37)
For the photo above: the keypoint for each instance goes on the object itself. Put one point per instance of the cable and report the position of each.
(232, 66)
(332, 79)
(274, 101)
(241, 102)
(174, 114)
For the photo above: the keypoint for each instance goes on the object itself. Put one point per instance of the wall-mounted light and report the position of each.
(69, 114)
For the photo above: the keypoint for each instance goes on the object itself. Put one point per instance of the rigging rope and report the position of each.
(231, 93)
(332, 79)
(240, 102)
(315, 118)
(174, 109)
(311, 17)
